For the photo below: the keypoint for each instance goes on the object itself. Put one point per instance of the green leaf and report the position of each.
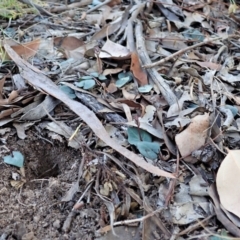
(86, 84)
(125, 74)
(86, 77)
(68, 91)
(121, 82)
(16, 160)
(233, 109)
(102, 77)
(149, 149)
(145, 89)
(222, 236)
(144, 143)
(94, 74)
(134, 135)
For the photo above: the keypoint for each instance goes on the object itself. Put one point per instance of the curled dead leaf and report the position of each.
(194, 136)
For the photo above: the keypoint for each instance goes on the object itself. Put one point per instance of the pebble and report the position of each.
(36, 218)
(56, 224)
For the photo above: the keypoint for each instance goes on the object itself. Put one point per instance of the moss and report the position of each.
(12, 9)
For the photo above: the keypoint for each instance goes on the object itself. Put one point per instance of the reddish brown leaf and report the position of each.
(27, 50)
(137, 70)
(68, 43)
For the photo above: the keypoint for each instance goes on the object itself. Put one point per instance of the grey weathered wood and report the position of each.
(152, 72)
(92, 103)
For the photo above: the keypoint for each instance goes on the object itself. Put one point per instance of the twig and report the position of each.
(85, 191)
(37, 7)
(137, 219)
(195, 226)
(180, 52)
(74, 5)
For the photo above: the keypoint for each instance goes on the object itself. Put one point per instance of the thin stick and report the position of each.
(180, 52)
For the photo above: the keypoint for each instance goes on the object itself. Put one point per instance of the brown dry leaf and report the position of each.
(79, 52)
(129, 96)
(10, 98)
(210, 65)
(2, 81)
(36, 78)
(194, 136)
(110, 71)
(130, 103)
(112, 88)
(26, 50)
(228, 181)
(68, 43)
(8, 112)
(137, 70)
(114, 51)
(113, 3)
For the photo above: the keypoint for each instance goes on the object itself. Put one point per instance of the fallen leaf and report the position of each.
(110, 71)
(26, 50)
(67, 43)
(193, 137)
(114, 50)
(16, 159)
(228, 180)
(137, 70)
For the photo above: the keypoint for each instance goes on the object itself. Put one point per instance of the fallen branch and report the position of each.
(74, 5)
(180, 52)
(41, 82)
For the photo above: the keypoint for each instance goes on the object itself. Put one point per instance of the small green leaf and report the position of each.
(86, 77)
(143, 141)
(96, 2)
(125, 74)
(233, 109)
(149, 149)
(135, 133)
(145, 89)
(121, 82)
(223, 235)
(94, 74)
(86, 84)
(16, 160)
(102, 77)
(68, 91)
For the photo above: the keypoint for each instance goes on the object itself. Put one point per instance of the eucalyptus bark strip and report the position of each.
(165, 89)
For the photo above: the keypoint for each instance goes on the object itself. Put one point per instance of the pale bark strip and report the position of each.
(38, 80)
(166, 91)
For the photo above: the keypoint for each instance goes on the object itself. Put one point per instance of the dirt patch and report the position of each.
(36, 211)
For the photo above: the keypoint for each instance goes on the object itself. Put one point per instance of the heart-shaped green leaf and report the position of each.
(145, 89)
(86, 84)
(149, 149)
(68, 91)
(136, 135)
(16, 159)
(121, 82)
(143, 141)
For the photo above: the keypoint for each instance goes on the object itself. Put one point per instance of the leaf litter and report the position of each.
(141, 100)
